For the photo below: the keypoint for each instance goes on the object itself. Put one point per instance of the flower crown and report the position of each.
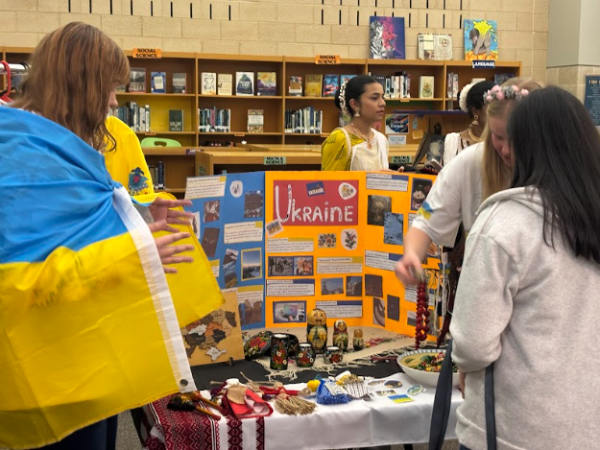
(343, 106)
(504, 93)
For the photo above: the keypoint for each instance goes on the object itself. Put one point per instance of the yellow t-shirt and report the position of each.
(334, 154)
(126, 163)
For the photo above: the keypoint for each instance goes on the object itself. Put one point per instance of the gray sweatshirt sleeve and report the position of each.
(484, 303)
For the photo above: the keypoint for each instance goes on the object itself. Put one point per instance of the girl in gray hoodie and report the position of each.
(528, 292)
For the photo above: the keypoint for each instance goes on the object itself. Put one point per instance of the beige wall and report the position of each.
(282, 27)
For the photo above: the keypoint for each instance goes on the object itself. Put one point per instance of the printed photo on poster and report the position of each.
(411, 318)
(393, 307)
(346, 191)
(393, 231)
(332, 286)
(251, 264)
(253, 204)
(354, 286)
(327, 240)
(373, 285)
(196, 224)
(377, 206)
(289, 312)
(230, 255)
(250, 306)
(230, 274)
(212, 211)
(378, 312)
(210, 239)
(274, 228)
(420, 190)
(281, 266)
(303, 266)
(349, 239)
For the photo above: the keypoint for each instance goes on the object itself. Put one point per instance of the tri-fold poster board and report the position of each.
(287, 242)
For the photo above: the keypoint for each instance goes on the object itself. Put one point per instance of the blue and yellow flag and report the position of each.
(87, 323)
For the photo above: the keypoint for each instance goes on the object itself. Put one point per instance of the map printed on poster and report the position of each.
(230, 214)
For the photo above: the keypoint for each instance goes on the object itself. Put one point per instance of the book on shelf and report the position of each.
(304, 121)
(179, 83)
(331, 83)
(452, 85)
(266, 83)
(256, 120)
(295, 86)
(345, 78)
(244, 83)
(396, 123)
(313, 85)
(121, 88)
(137, 79)
(426, 84)
(137, 118)
(481, 39)
(208, 83)
(501, 78)
(386, 36)
(225, 84)
(395, 86)
(153, 173)
(176, 120)
(158, 82)
(214, 120)
(433, 46)
(159, 182)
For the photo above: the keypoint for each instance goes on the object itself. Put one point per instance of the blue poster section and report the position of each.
(229, 223)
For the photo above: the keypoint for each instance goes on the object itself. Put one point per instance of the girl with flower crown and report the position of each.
(358, 146)
(476, 173)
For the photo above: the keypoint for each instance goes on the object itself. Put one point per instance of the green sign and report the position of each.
(404, 159)
(274, 161)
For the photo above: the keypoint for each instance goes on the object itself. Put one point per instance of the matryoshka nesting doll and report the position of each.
(317, 337)
(340, 335)
(316, 317)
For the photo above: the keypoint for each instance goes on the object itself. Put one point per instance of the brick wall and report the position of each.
(281, 27)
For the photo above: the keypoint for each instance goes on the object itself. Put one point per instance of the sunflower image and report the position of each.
(327, 240)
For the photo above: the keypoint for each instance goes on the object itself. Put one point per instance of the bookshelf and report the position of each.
(180, 162)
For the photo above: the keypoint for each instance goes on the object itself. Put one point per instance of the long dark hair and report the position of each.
(354, 89)
(557, 149)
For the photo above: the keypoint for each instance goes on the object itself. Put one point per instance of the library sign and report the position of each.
(328, 59)
(147, 53)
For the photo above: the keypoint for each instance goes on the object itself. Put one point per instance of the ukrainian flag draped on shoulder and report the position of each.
(87, 323)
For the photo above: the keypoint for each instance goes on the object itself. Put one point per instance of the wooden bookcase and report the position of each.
(180, 163)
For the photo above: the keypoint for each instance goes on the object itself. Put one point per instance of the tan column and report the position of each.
(573, 36)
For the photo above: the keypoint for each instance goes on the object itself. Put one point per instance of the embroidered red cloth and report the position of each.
(168, 429)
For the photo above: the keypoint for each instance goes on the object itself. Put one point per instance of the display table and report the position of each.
(360, 423)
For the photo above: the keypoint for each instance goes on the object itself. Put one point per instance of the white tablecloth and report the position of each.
(356, 424)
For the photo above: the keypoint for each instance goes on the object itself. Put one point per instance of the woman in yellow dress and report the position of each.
(358, 146)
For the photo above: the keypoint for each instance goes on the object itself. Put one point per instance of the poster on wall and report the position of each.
(386, 36)
(481, 39)
(592, 97)
(229, 211)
